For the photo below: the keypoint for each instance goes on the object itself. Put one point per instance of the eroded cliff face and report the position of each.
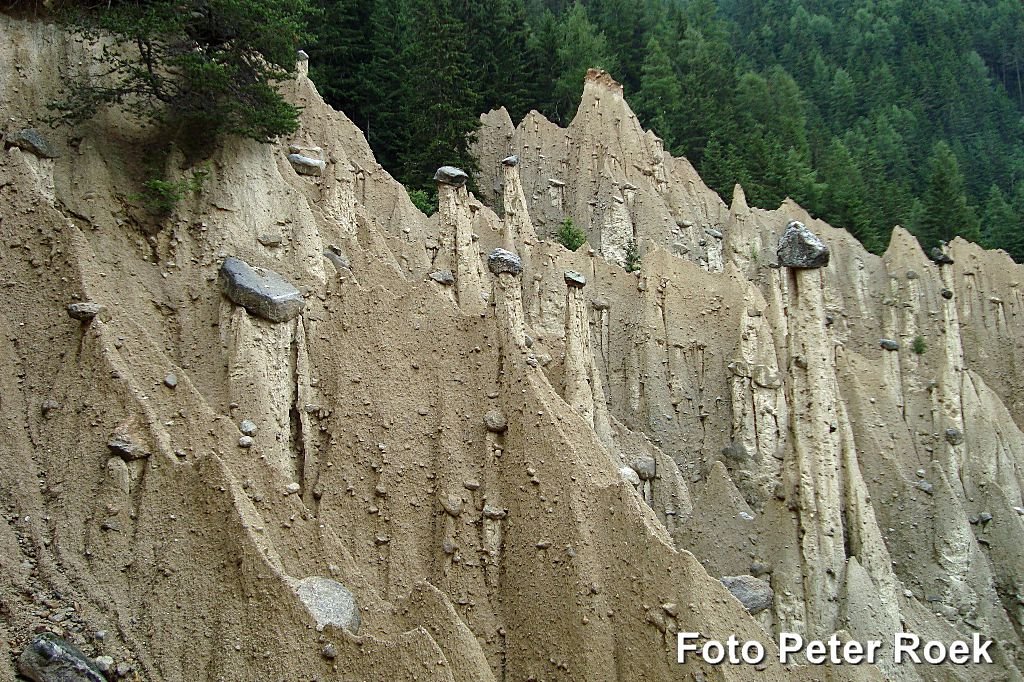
(515, 476)
(859, 481)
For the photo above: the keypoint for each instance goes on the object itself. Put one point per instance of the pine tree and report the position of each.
(1002, 227)
(945, 211)
(581, 47)
(339, 55)
(440, 102)
(660, 98)
(844, 200)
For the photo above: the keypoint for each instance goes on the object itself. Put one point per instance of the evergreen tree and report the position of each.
(201, 67)
(340, 54)
(439, 101)
(946, 213)
(581, 47)
(1002, 227)
(844, 197)
(659, 100)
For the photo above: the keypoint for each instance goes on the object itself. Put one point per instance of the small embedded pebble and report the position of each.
(171, 380)
(48, 406)
(245, 442)
(330, 651)
(248, 427)
(292, 488)
(452, 505)
(105, 664)
(471, 484)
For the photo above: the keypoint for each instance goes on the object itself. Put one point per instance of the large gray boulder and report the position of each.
(51, 659)
(645, 467)
(939, 257)
(450, 175)
(755, 594)
(574, 279)
(329, 602)
(307, 165)
(262, 292)
(801, 248)
(85, 312)
(32, 141)
(510, 161)
(504, 262)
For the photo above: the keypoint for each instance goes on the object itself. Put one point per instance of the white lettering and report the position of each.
(683, 644)
(981, 650)
(873, 646)
(906, 643)
(853, 653)
(815, 652)
(934, 652)
(789, 643)
(752, 652)
(713, 658)
(959, 653)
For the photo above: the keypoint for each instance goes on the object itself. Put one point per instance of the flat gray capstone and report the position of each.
(127, 449)
(939, 257)
(262, 292)
(801, 248)
(510, 161)
(84, 312)
(504, 262)
(755, 594)
(645, 467)
(575, 279)
(329, 602)
(305, 165)
(445, 277)
(450, 175)
(32, 141)
(51, 659)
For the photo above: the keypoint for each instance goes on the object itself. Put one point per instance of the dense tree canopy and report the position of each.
(202, 67)
(871, 113)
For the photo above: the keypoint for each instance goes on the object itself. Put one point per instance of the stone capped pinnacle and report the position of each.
(801, 248)
(510, 161)
(575, 279)
(504, 262)
(450, 175)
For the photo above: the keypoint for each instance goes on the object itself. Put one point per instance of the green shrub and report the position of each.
(201, 67)
(425, 201)
(160, 197)
(920, 345)
(632, 256)
(570, 236)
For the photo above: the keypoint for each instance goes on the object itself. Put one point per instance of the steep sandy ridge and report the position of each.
(540, 549)
(872, 477)
(137, 526)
